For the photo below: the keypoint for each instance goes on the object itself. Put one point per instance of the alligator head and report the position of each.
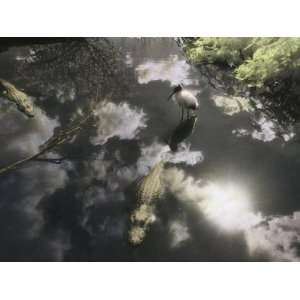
(11, 93)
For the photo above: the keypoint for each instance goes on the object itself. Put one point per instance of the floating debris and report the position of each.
(11, 93)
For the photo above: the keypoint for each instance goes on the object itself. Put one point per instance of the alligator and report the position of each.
(11, 93)
(150, 185)
(181, 132)
(148, 189)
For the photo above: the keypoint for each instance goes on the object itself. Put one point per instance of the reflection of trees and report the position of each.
(6, 43)
(81, 66)
(277, 102)
(87, 68)
(281, 99)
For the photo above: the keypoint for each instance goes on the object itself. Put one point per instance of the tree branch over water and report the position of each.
(60, 137)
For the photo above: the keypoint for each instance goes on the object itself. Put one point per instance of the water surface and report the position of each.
(230, 191)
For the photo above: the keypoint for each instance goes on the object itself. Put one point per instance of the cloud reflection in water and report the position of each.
(117, 120)
(265, 131)
(229, 208)
(22, 136)
(232, 105)
(156, 152)
(179, 233)
(173, 69)
(27, 187)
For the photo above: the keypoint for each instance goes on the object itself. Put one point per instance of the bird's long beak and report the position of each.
(170, 96)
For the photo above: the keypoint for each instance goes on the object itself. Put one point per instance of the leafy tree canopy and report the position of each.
(267, 67)
(254, 60)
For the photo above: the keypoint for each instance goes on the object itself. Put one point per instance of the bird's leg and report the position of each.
(188, 113)
(182, 111)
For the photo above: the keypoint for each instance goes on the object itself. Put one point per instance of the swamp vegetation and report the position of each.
(86, 119)
(267, 69)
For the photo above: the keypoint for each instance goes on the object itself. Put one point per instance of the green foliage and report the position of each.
(267, 68)
(217, 50)
(274, 61)
(254, 61)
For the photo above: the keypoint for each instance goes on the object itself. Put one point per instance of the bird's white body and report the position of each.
(186, 99)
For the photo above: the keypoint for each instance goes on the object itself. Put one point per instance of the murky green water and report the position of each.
(229, 193)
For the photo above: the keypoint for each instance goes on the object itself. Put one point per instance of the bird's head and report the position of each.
(175, 90)
(178, 88)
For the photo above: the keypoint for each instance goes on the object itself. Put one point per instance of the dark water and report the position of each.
(226, 197)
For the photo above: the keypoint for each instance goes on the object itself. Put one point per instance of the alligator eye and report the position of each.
(20, 108)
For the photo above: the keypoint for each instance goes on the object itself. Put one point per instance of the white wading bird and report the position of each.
(185, 99)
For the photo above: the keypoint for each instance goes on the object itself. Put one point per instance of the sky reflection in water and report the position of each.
(229, 191)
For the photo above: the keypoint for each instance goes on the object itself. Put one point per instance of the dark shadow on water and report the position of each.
(182, 132)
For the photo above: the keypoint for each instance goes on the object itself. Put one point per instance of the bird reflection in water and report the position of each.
(150, 187)
(182, 132)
